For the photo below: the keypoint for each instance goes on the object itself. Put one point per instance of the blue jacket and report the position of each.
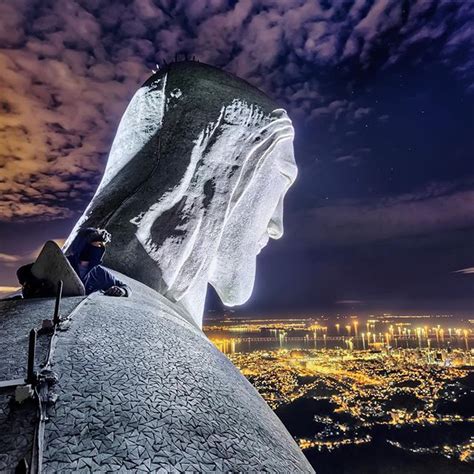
(97, 277)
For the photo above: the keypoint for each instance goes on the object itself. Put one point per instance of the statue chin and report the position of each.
(234, 284)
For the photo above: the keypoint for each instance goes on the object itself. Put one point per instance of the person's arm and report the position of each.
(114, 286)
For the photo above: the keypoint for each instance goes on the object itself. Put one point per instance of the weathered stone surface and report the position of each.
(17, 422)
(151, 392)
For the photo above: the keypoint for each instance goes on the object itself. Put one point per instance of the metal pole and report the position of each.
(31, 376)
(58, 301)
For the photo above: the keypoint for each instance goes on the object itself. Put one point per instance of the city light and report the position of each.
(397, 373)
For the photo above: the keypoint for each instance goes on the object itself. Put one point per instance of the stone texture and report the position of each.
(17, 422)
(141, 389)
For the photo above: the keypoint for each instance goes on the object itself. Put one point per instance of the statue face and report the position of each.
(256, 218)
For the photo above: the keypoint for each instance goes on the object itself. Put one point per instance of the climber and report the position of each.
(85, 256)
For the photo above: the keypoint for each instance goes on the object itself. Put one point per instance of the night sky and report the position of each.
(381, 94)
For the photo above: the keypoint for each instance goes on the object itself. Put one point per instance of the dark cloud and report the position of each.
(436, 208)
(466, 271)
(353, 160)
(69, 68)
(8, 259)
(381, 150)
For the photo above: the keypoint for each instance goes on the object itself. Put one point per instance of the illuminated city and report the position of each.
(406, 381)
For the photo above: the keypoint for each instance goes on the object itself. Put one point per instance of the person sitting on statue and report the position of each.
(85, 256)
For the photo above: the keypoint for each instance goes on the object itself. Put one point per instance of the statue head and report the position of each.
(194, 185)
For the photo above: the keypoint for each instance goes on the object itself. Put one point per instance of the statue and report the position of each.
(192, 191)
(194, 185)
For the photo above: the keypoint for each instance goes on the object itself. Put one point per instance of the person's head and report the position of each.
(89, 245)
(194, 184)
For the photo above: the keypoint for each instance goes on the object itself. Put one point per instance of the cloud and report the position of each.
(466, 271)
(351, 159)
(362, 112)
(9, 259)
(433, 209)
(69, 69)
(61, 99)
(20, 259)
(342, 159)
(5, 290)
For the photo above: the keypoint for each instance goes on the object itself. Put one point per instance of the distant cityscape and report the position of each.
(401, 383)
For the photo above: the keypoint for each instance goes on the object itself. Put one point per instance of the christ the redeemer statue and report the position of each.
(192, 191)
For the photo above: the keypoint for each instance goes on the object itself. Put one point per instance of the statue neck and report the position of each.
(193, 301)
